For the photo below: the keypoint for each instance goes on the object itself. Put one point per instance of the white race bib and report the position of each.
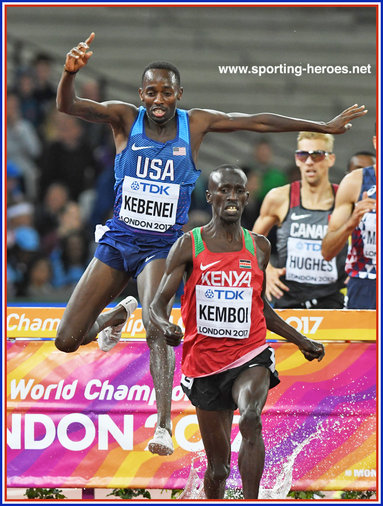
(305, 263)
(149, 205)
(223, 311)
(368, 230)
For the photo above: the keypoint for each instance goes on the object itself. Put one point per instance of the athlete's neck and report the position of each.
(317, 196)
(222, 234)
(161, 132)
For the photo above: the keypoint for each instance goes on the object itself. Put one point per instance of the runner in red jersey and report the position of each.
(226, 362)
(222, 308)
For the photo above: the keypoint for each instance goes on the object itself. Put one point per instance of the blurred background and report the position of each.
(60, 169)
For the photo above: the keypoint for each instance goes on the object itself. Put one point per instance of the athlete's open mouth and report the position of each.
(231, 208)
(158, 112)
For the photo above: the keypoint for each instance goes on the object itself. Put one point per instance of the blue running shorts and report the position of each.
(361, 293)
(132, 256)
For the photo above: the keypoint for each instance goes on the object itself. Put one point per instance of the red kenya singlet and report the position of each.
(222, 309)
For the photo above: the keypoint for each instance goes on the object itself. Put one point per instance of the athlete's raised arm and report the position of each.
(216, 121)
(347, 213)
(116, 113)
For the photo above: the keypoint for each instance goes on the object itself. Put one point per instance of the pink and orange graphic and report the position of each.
(84, 419)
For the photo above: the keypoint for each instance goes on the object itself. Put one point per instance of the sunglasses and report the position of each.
(316, 156)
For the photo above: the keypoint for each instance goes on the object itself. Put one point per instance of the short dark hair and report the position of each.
(226, 167)
(364, 153)
(163, 65)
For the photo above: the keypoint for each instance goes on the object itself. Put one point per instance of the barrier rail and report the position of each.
(327, 324)
(84, 419)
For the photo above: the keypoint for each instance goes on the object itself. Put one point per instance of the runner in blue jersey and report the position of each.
(355, 215)
(155, 168)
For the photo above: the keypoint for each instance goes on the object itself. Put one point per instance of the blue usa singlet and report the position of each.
(153, 184)
(361, 259)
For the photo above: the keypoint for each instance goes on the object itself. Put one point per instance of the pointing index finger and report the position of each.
(90, 38)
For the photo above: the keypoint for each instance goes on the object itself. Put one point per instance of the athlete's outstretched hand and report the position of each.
(173, 334)
(312, 349)
(341, 123)
(78, 56)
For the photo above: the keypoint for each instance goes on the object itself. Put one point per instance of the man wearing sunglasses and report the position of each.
(301, 210)
(355, 215)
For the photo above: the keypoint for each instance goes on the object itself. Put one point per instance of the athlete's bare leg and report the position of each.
(215, 428)
(82, 321)
(250, 393)
(161, 355)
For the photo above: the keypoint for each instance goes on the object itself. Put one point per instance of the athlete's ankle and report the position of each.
(164, 426)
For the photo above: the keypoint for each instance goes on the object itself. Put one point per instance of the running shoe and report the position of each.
(109, 337)
(161, 443)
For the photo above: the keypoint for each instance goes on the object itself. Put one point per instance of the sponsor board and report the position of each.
(90, 429)
(338, 325)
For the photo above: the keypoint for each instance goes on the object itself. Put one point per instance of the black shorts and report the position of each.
(332, 301)
(214, 393)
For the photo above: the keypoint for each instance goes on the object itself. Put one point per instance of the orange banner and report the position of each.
(322, 325)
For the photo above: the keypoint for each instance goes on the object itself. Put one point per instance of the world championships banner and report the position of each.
(84, 419)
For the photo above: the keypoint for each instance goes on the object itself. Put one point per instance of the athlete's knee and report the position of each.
(156, 341)
(66, 341)
(250, 424)
(153, 334)
(218, 472)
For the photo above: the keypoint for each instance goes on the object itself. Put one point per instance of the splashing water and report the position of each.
(284, 480)
(194, 485)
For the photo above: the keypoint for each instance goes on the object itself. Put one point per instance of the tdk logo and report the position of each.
(150, 188)
(224, 294)
(309, 246)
